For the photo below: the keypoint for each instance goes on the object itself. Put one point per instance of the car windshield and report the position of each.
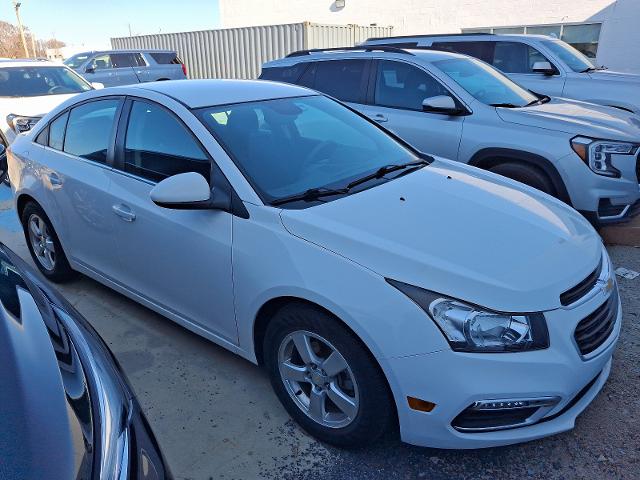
(39, 81)
(77, 60)
(575, 60)
(485, 83)
(288, 146)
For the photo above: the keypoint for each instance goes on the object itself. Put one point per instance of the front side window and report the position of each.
(90, 128)
(575, 60)
(40, 81)
(515, 57)
(485, 83)
(342, 79)
(158, 145)
(101, 62)
(56, 131)
(400, 85)
(290, 145)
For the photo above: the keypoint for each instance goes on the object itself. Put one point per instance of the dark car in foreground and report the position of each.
(66, 408)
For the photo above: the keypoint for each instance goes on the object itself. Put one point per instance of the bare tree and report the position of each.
(11, 44)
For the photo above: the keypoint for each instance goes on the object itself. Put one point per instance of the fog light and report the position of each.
(488, 415)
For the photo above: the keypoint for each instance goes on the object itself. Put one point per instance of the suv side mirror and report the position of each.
(185, 191)
(90, 69)
(441, 104)
(544, 67)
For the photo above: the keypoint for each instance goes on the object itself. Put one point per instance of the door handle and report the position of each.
(380, 118)
(55, 180)
(124, 212)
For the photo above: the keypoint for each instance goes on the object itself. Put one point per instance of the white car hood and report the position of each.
(577, 118)
(31, 106)
(461, 232)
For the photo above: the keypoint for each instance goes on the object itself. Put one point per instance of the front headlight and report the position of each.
(597, 154)
(20, 124)
(469, 328)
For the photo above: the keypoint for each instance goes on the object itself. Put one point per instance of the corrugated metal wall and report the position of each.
(240, 52)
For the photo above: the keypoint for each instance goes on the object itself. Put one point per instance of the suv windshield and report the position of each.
(575, 60)
(485, 83)
(289, 146)
(77, 60)
(40, 81)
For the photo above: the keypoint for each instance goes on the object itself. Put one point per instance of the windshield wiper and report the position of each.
(310, 195)
(504, 105)
(382, 171)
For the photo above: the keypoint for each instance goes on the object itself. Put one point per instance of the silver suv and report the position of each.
(538, 62)
(461, 108)
(125, 67)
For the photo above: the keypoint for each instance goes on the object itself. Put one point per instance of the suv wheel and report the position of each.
(325, 377)
(44, 244)
(525, 174)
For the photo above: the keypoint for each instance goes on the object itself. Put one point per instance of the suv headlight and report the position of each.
(20, 124)
(597, 154)
(469, 328)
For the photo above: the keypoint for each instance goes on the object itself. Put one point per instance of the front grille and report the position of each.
(594, 330)
(580, 290)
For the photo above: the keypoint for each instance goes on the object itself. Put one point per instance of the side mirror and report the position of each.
(544, 67)
(441, 104)
(90, 69)
(97, 85)
(185, 191)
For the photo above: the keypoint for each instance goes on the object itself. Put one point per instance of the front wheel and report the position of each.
(525, 174)
(325, 377)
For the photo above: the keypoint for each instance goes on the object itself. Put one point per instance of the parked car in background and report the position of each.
(460, 108)
(124, 67)
(66, 408)
(29, 89)
(377, 285)
(540, 63)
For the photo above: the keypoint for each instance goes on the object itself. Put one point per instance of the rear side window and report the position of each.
(123, 60)
(481, 50)
(90, 128)
(158, 145)
(56, 131)
(165, 58)
(401, 85)
(514, 57)
(289, 74)
(342, 79)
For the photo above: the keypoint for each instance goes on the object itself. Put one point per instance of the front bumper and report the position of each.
(453, 381)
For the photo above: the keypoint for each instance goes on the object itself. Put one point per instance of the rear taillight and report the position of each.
(184, 69)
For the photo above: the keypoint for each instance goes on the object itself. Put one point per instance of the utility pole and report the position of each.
(33, 45)
(16, 5)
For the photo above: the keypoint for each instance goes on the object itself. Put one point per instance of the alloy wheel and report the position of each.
(318, 379)
(42, 242)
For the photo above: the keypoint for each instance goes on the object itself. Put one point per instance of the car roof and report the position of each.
(125, 50)
(406, 54)
(206, 93)
(462, 37)
(27, 62)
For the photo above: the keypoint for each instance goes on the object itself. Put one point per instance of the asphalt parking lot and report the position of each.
(215, 415)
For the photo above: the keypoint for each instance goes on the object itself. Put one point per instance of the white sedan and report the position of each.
(380, 288)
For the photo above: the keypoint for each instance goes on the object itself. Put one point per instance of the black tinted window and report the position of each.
(158, 146)
(89, 129)
(342, 79)
(56, 131)
(122, 60)
(513, 57)
(43, 137)
(165, 57)
(481, 50)
(139, 61)
(283, 74)
(401, 85)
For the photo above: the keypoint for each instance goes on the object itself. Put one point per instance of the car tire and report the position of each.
(44, 245)
(368, 411)
(526, 174)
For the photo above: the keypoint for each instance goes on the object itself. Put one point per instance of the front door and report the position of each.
(180, 260)
(400, 89)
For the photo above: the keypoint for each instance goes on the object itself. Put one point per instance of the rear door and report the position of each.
(399, 88)
(179, 260)
(345, 80)
(77, 153)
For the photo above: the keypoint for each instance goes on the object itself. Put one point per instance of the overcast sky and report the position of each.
(92, 23)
